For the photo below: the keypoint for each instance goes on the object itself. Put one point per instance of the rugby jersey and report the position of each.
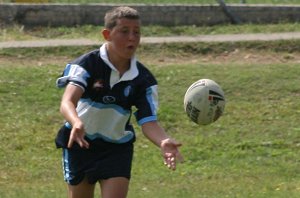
(105, 107)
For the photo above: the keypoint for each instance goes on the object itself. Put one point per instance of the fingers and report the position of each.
(78, 137)
(84, 144)
(179, 157)
(177, 144)
(81, 141)
(70, 143)
(170, 161)
(171, 153)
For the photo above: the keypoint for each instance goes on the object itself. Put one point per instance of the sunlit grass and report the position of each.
(251, 151)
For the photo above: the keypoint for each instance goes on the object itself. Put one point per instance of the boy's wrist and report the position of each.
(164, 141)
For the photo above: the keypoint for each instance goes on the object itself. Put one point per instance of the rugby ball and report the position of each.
(204, 102)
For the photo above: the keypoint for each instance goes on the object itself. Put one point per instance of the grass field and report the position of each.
(163, 1)
(18, 32)
(252, 151)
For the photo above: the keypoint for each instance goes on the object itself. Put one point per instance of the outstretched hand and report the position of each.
(170, 152)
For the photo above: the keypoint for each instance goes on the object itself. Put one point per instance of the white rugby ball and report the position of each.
(204, 102)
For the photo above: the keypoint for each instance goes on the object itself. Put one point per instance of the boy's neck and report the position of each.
(121, 64)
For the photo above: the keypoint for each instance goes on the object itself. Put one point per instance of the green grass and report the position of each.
(17, 32)
(168, 1)
(251, 151)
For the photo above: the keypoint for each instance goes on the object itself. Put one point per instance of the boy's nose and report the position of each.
(133, 36)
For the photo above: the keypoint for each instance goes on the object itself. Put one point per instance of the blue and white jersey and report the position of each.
(106, 104)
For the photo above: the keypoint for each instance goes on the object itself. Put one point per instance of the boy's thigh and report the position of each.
(83, 189)
(114, 187)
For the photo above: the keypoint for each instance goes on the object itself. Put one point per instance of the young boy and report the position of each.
(101, 87)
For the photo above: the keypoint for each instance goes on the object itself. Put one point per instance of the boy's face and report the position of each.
(124, 38)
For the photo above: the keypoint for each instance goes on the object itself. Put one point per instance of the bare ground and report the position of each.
(237, 56)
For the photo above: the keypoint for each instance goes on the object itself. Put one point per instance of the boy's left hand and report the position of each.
(170, 152)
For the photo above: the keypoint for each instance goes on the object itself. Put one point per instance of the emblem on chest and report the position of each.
(108, 99)
(127, 91)
(98, 85)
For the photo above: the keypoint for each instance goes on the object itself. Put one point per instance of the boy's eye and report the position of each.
(124, 31)
(137, 32)
(127, 31)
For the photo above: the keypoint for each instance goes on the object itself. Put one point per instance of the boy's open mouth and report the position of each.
(130, 47)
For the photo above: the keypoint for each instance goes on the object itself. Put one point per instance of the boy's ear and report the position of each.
(106, 34)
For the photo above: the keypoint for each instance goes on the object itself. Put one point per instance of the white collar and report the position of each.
(129, 74)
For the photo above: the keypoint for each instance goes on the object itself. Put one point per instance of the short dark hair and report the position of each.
(111, 17)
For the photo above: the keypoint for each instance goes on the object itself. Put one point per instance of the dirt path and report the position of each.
(236, 57)
(171, 39)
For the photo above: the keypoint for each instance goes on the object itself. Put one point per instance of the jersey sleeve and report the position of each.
(74, 74)
(147, 105)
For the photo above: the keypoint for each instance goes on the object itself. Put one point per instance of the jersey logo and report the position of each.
(98, 84)
(108, 99)
(127, 91)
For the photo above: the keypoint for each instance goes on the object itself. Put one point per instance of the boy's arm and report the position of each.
(68, 105)
(169, 147)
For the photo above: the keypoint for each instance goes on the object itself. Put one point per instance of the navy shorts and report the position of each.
(103, 160)
(111, 160)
